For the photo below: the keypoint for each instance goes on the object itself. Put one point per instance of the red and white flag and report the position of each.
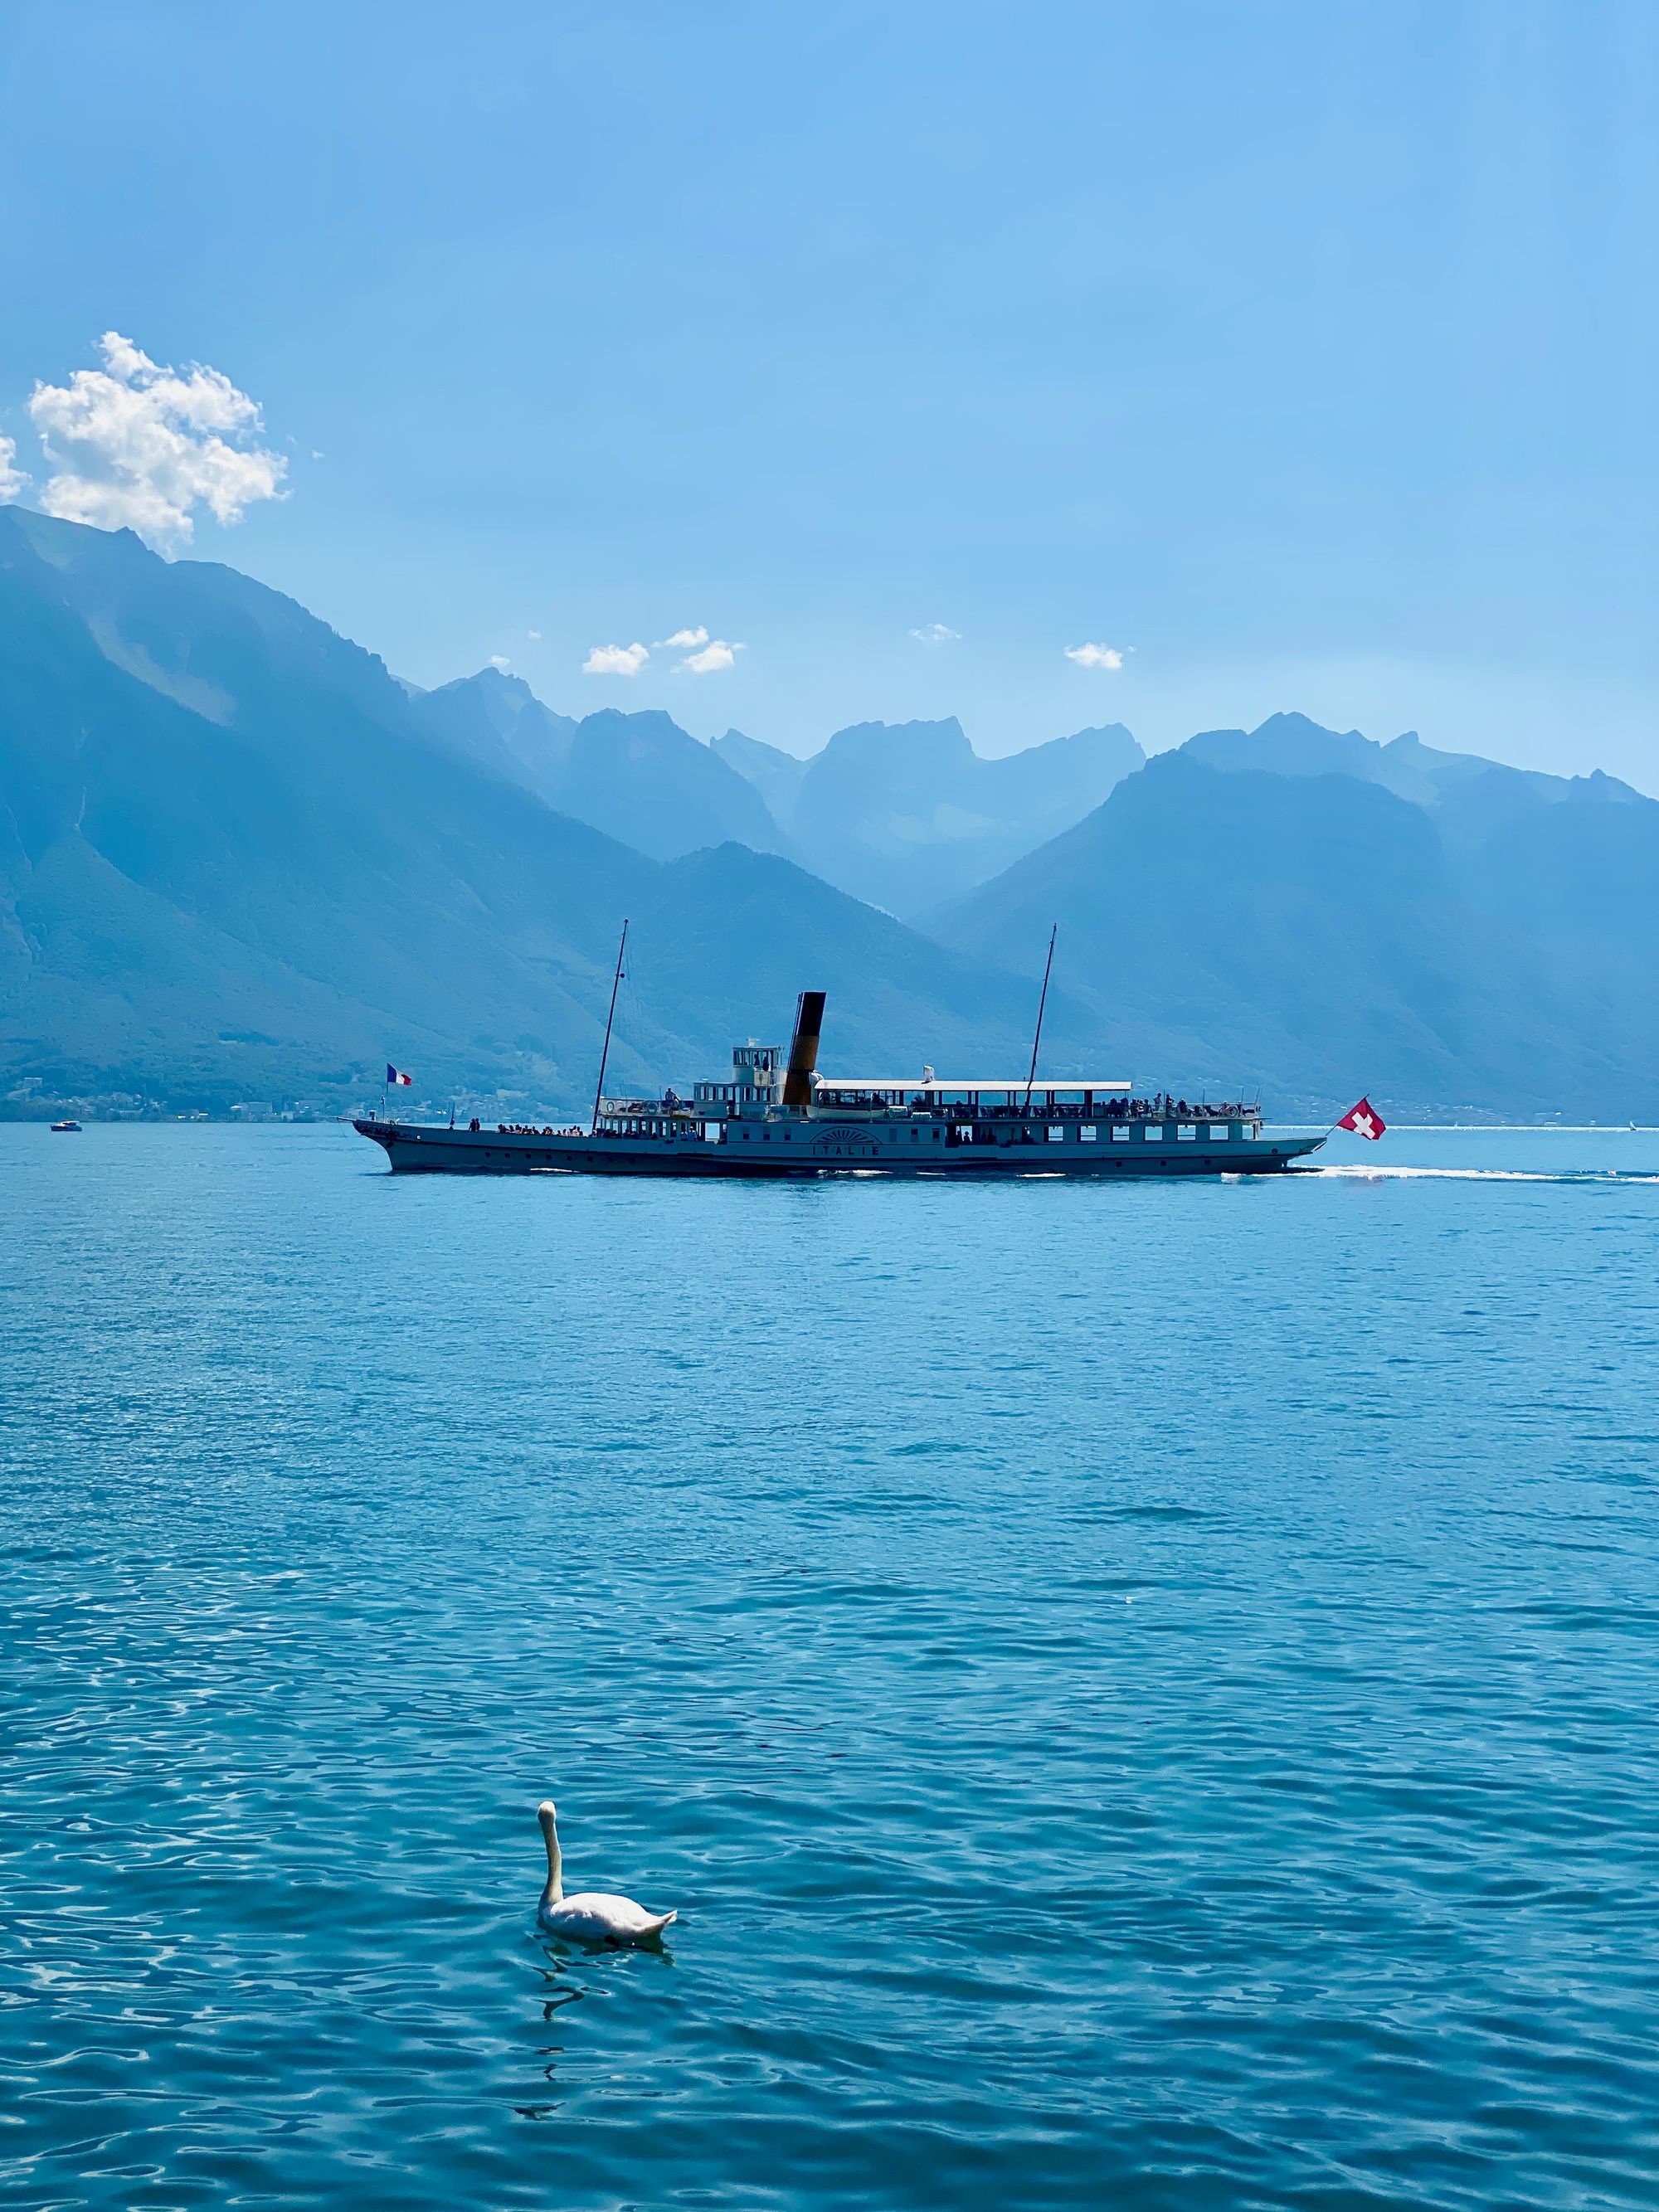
(1364, 1120)
(396, 1075)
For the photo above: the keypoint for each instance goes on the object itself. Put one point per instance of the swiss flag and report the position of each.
(1364, 1120)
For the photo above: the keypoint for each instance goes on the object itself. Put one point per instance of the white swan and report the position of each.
(593, 1917)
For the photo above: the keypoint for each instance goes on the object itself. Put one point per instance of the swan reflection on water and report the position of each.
(560, 2062)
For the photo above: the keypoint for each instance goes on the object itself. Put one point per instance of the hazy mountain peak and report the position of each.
(637, 776)
(647, 781)
(1598, 785)
(496, 720)
(64, 545)
(1293, 744)
(740, 745)
(1288, 744)
(915, 743)
(908, 815)
(655, 723)
(1290, 722)
(774, 774)
(1468, 795)
(206, 636)
(492, 692)
(502, 680)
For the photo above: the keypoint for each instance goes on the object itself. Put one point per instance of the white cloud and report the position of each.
(1094, 656)
(716, 654)
(615, 660)
(137, 445)
(936, 634)
(500, 661)
(12, 479)
(534, 636)
(684, 640)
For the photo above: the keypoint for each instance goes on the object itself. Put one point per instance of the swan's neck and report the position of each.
(554, 1889)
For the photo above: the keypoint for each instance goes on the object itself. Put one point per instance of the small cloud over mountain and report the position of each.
(711, 654)
(615, 660)
(1094, 656)
(136, 446)
(936, 634)
(715, 655)
(499, 660)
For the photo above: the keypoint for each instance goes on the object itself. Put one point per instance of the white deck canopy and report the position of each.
(998, 1083)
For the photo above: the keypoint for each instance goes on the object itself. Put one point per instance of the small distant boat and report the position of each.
(66, 1129)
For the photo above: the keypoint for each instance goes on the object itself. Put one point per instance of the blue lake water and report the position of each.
(1143, 1695)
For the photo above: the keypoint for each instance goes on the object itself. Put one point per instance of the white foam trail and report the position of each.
(1358, 1172)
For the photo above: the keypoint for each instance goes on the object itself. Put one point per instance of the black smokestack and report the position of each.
(804, 1051)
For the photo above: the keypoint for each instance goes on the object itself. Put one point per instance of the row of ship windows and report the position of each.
(1151, 1134)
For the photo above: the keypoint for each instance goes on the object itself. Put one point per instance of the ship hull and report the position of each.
(412, 1149)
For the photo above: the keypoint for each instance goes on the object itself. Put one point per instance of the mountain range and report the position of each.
(904, 816)
(639, 777)
(1454, 934)
(240, 860)
(908, 815)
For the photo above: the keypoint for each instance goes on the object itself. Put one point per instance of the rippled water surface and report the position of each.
(1142, 1695)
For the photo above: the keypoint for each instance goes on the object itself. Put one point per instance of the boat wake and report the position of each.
(1358, 1172)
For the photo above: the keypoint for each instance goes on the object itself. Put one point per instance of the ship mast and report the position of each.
(1032, 1078)
(605, 1053)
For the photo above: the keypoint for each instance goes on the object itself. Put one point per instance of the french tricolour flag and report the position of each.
(395, 1074)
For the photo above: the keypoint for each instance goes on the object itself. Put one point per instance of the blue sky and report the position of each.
(1303, 354)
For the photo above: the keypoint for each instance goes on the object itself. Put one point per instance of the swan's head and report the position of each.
(548, 1814)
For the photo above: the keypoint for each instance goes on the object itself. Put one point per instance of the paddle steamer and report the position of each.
(775, 1118)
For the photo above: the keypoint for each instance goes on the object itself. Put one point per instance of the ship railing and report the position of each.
(655, 1108)
(1140, 1110)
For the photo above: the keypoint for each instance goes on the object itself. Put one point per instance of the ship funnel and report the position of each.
(804, 1049)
